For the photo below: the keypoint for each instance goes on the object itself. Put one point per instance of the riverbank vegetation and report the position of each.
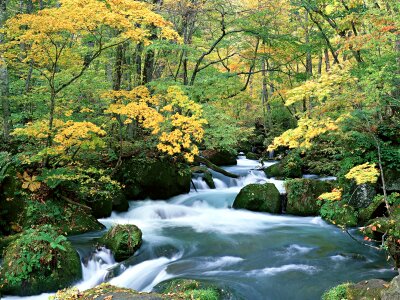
(108, 101)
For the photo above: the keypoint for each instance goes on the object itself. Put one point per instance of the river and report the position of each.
(252, 255)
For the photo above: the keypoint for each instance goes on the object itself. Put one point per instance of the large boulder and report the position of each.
(359, 196)
(302, 195)
(392, 180)
(220, 158)
(288, 167)
(39, 261)
(366, 289)
(393, 291)
(122, 240)
(105, 291)
(154, 178)
(252, 156)
(259, 197)
(70, 219)
(339, 213)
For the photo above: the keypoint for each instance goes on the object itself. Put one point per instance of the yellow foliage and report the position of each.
(29, 182)
(335, 195)
(301, 136)
(178, 124)
(365, 173)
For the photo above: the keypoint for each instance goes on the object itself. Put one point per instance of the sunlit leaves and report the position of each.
(365, 173)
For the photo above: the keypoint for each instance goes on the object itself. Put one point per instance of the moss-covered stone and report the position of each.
(39, 261)
(122, 240)
(393, 291)
(259, 197)
(190, 289)
(68, 218)
(366, 290)
(338, 292)
(220, 158)
(153, 178)
(367, 213)
(392, 180)
(252, 156)
(339, 213)
(358, 196)
(208, 178)
(288, 167)
(302, 195)
(106, 291)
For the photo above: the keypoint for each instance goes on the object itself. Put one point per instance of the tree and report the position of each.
(61, 44)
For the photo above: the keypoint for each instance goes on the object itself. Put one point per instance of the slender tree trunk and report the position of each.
(327, 62)
(320, 64)
(4, 82)
(309, 65)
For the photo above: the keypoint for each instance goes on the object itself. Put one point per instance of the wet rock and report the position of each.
(122, 240)
(154, 178)
(393, 291)
(220, 158)
(302, 195)
(366, 290)
(251, 155)
(39, 261)
(392, 178)
(259, 197)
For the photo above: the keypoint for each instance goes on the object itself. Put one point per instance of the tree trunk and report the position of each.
(327, 62)
(309, 65)
(4, 82)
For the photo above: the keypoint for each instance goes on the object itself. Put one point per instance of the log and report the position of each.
(213, 167)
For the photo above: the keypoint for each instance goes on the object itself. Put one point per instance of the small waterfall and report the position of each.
(200, 184)
(96, 268)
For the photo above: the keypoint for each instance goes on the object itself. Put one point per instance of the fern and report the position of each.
(5, 162)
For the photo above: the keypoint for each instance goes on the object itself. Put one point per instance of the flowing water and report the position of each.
(252, 255)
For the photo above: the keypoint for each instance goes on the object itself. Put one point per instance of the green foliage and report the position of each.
(337, 293)
(38, 260)
(5, 162)
(122, 240)
(339, 213)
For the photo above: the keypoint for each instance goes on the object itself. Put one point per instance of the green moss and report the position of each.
(251, 155)
(122, 240)
(69, 219)
(220, 158)
(339, 213)
(259, 197)
(365, 214)
(39, 261)
(337, 293)
(154, 178)
(302, 196)
(208, 178)
(289, 167)
(190, 289)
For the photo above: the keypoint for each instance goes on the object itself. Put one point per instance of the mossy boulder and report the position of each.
(102, 207)
(39, 261)
(207, 176)
(339, 213)
(302, 196)
(189, 289)
(122, 240)
(359, 196)
(392, 179)
(259, 197)
(252, 156)
(288, 167)
(364, 290)
(68, 218)
(393, 291)
(338, 292)
(153, 178)
(220, 158)
(371, 211)
(105, 291)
